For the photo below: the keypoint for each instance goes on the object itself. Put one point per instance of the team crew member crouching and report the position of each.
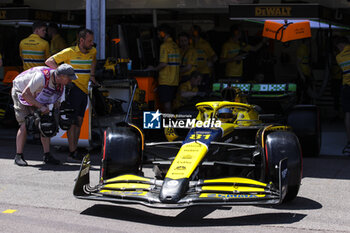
(35, 89)
(83, 59)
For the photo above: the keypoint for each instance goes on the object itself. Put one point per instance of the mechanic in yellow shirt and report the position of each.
(168, 67)
(82, 58)
(343, 59)
(0, 60)
(234, 52)
(206, 57)
(188, 90)
(57, 43)
(34, 50)
(188, 57)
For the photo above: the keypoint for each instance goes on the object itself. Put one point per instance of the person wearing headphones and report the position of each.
(35, 89)
(206, 57)
(234, 52)
(168, 68)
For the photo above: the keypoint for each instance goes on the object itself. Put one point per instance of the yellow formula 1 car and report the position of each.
(241, 161)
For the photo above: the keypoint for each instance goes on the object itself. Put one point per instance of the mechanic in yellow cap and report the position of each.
(34, 50)
(168, 68)
(234, 52)
(206, 57)
(188, 90)
(343, 59)
(188, 57)
(82, 58)
(57, 43)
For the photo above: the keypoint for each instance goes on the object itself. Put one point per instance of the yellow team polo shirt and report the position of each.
(231, 49)
(34, 51)
(57, 44)
(169, 54)
(204, 52)
(189, 57)
(81, 63)
(184, 87)
(304, 57)
(343, 59)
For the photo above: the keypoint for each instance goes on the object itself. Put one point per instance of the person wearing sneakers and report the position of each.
(343, 60)
(82, 57)
(35, 89)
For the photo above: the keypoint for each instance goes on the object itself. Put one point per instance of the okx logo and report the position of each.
(151, 120)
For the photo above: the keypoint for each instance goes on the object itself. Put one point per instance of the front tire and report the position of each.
(280, 145)
(122, 152)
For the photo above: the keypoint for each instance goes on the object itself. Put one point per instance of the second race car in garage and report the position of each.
(237, 159)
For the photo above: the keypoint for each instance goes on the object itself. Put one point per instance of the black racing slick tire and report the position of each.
(122, 152)
(280, 145)
(306, 124)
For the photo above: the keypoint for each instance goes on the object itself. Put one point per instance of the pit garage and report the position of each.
(128, 44)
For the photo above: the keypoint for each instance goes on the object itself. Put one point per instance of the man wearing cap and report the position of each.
(83, 59)
(35, 89)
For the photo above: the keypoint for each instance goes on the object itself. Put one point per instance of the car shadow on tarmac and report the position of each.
(190, 217)
(299, 203)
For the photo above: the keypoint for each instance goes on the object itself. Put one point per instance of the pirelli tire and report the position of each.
(306, 124)
(122, 152)
(280, 145)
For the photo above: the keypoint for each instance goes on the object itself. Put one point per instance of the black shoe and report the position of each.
(19, 160)
(49, 159)
(74, 157)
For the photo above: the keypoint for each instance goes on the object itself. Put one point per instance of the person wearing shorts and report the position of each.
(78, 101)
(82, 58)
(33, 90)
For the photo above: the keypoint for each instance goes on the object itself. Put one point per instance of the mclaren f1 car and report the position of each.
(242, 161)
